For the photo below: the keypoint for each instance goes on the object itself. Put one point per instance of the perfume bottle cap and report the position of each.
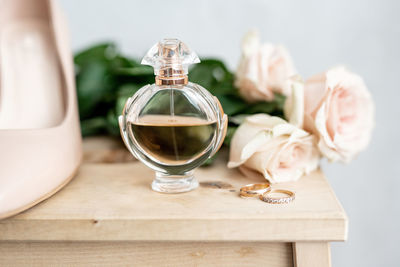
(170, 59)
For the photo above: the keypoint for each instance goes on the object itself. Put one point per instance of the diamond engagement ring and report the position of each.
(266, 196)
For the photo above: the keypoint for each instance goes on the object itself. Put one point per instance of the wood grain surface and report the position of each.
(158, 254)
(113, 201)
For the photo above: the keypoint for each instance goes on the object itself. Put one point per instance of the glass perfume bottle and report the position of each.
(172, 126)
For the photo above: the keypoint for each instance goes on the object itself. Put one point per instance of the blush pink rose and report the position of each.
(340, 111)
(263, 69)
(276, 149)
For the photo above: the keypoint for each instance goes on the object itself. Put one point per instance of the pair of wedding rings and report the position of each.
(265, 193)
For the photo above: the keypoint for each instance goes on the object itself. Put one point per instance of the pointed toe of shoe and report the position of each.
(36, 165)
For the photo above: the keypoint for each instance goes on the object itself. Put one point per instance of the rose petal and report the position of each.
(294, 104)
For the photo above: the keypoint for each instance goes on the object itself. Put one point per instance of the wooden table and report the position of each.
(109, 216)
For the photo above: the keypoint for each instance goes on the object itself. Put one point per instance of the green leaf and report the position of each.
(136, 71)
(261, 107)
(210, 73)
(232, 105)
(120, 104)
(128, 89)
(225, 88)
(238, 119)
(105, 51)
(112, 123)
(93, 82)
(229, 134)
(279, 100)
(210, 161)
(93, 126)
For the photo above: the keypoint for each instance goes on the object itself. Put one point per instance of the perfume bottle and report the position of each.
(172, 126)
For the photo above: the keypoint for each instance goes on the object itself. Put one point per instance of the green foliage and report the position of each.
(105, 79)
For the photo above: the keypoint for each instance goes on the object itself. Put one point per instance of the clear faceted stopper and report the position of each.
(170, 54)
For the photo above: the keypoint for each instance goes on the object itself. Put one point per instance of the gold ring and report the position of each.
(253, 190)
(278, 200)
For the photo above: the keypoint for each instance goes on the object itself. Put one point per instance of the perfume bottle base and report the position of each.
(172, 184)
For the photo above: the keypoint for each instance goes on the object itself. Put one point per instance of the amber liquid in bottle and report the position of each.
(173, 139)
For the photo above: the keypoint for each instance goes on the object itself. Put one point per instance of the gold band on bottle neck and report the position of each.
(171, 76)
(180, 80)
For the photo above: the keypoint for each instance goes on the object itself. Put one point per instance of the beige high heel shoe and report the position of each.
(40, 140)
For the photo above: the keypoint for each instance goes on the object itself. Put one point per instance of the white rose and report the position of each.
(263, 69)
(294, 104)
(278, 150)
(340, 111)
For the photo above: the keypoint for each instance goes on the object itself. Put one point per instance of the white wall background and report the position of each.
(364, 35)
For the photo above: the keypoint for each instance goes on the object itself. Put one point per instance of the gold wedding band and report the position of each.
(266, 196)
(254, 190)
